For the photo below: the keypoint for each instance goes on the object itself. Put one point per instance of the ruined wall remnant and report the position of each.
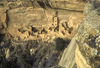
(36, 19)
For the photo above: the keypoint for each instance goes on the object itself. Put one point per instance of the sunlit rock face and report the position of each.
(31, 27)
(76, 5)
(26, 20)
(88, 41)
(35, 21)
(68, 57)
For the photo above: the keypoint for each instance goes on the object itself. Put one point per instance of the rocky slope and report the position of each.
(88, 39)
(34, 33)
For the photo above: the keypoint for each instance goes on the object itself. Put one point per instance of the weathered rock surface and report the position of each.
(3, 18)
(66, 28)
(24, 20)
(88, 41)
(91, 5)
(38, 21)
(67, 4)
(68, 57)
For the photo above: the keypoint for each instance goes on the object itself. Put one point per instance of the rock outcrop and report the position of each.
(26, 20)
(88, 41)
(30, 28)
(68, 57)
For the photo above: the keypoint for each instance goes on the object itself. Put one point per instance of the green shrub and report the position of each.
(8, 64)
(60, 43)
(25, 59)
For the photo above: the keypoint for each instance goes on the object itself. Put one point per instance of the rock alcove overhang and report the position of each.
(24, 22)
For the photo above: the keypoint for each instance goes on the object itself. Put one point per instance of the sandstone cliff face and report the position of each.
(68, 57)
(30, 28)
(88, 39)
(26, 20)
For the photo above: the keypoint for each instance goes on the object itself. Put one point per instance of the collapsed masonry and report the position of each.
(28, 20)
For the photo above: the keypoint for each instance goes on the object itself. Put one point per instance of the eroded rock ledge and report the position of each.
(25, 23)
(26, 20)
(88, 39)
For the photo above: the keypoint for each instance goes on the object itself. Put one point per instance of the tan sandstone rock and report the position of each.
(38, 19)
(3, 17)
(22, 14)
(88, 40)
(67, 4)
(68, 57)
